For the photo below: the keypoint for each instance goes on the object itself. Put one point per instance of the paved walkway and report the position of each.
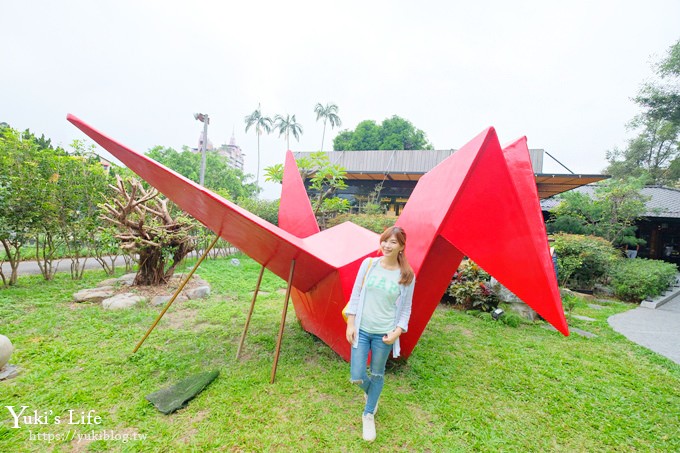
(656, 329)
(64, 265)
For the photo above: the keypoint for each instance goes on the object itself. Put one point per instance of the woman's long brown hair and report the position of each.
(406, 269)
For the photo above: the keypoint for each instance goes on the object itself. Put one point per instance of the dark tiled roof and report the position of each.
(663, 201)
(401, 161)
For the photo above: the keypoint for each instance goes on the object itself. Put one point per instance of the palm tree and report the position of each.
(288, 126)
(328, 113)
(261, 123)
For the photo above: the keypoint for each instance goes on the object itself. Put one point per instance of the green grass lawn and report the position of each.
(471, 384)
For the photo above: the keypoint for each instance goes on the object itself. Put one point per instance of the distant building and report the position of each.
(106, 164)
(231, 152)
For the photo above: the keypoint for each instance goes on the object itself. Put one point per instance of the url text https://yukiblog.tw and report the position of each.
(25, 417)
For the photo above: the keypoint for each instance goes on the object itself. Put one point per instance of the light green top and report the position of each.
(380, 306)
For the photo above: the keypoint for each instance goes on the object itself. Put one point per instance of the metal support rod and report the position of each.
(283, 322)
(250, 313)
(553, 158)
(179, 290)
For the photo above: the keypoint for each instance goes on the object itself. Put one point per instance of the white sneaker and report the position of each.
(375, 411)
(369, 427)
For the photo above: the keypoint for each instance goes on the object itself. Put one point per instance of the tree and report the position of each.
(146, 226)
(393, 133)
(287, 126)
(661, 99)
(655, 151)
(219, 176)
(650, 154)
(81, 186)
(262, 124)
(20, 196)
(329, 112)
(610, 214)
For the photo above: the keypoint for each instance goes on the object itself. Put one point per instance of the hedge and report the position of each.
(635, 279)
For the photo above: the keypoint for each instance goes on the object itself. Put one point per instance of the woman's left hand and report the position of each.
(391, 337)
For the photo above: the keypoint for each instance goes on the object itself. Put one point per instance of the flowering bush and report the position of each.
(470, 288)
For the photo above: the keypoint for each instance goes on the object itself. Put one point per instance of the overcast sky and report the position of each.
(561, 73)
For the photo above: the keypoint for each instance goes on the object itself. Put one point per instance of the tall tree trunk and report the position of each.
(323, 135)
(44, 254)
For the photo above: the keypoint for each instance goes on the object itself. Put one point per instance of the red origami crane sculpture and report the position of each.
(481, 202)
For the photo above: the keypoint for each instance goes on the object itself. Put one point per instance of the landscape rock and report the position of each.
(199, 281)
(516, 304)
(93, 294)
(108, 282)
(583, 318)
(162, 300)
(582, 332)
(122, 301)
(127, 279)
(6, 350)
(601, 290)
(200, 292)
(8, 372)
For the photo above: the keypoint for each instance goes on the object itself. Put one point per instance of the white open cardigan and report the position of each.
(356, 302)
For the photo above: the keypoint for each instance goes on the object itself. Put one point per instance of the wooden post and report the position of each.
(250, 313)
(283, 322)
(179, 290)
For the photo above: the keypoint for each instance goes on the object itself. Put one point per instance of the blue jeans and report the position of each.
(372, 385)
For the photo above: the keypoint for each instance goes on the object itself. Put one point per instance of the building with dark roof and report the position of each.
(400, 170)
(660, 226)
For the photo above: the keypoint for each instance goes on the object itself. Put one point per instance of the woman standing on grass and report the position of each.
(378, 313)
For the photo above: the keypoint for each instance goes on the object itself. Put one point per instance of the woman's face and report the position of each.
(391, 246)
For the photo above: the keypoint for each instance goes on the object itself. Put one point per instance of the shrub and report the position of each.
(583, 260)
(265, 209)
(469, 288)
(374, 222)
(635, 279)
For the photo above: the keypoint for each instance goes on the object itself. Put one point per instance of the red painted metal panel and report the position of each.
(295, 211)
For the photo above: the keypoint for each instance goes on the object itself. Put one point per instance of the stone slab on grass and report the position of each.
(127, 279)
(200, 292)
(575, 330)
(9, 372)
(108, 282)
(122, 301)
(583, 318)
(94, 294)
(162, 300)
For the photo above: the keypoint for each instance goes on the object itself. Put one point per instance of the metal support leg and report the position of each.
(250, 313)
(283, 322)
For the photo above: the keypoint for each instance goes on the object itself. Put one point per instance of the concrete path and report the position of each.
(31, 267)
(64, 265)
(656, 329)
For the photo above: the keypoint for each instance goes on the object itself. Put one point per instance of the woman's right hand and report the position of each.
(351, 332)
